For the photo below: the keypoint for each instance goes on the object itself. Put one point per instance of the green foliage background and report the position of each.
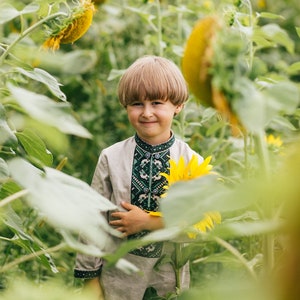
(87, 73)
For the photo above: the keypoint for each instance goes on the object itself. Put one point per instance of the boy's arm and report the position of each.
(135, 220)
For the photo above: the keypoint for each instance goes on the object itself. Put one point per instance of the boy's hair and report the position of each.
(152, 78)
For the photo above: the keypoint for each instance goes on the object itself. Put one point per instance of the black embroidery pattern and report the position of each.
(147, 184)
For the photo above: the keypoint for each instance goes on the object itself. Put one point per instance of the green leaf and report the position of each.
(294, 69)
(22, 239)
(240, 229)
(282, 122)
(8, 188)
(8, 12)
(7, 136)
(298, 31)
(42, 108)
(275, 34)
(187, 201)
(3, 170)
(44, 77)
(283, 97)
(14, 222)
(35, 147)
(68, 203)
(268, 15)
(63, 62)
(250, 105)
(114, 74)
(30, 8)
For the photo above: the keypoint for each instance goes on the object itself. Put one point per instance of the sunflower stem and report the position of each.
(237, 254)
(13, 197)
(32, 256)
(267, 208)
(159, 29)
(251, 52)
(28, 31)
(177, 267)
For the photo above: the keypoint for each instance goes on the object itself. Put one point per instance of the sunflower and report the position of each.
(74, 27)
(182, 172)
(274, 141)
(199, 70)
(210, 219)
(179, 171)
(197, 58)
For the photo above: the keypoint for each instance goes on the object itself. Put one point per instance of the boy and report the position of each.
(153, 91)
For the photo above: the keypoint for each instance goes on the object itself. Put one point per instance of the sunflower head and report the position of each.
(207, 65)
(73, 28)
(196, 58)
(180, 171)
(207, 223)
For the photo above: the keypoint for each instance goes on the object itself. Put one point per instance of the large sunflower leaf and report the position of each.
(43, 109)
(65, 202)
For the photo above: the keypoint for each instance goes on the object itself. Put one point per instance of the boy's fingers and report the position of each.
(127, 205)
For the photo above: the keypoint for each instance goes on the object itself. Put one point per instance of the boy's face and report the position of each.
(152, 119)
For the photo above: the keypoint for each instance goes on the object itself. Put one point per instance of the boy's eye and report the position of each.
(136, 104)
(156, 102)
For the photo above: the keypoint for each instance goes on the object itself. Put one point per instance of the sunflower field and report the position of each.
(236, 218)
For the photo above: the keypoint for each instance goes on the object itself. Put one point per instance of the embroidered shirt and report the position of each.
(147, 184)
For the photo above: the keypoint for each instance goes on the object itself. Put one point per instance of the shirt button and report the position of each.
(157, 156)
(147, 154)
(146, 190)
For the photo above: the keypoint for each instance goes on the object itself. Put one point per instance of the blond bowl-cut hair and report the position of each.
(152, 78)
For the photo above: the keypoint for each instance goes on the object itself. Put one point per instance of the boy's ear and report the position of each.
(178, 108)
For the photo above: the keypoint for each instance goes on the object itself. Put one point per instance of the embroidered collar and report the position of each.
(155, 148)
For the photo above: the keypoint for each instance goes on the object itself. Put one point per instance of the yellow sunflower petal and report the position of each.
(155, 213)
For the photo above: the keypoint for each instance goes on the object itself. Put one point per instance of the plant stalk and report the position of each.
(267, 208)
(177, 267)
(159, 29)
(31, 256)
(28, 31)
(13, 197)
(237, 254)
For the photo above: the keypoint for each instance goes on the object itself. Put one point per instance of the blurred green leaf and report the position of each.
(294, 68)
(44, 77)
(187, 201)
(239, 229)
(68, 203)
(3, 169)
(7, 136)
(273, 34)
(269, 15)
(44, 109)
(282, 97)
(8, 12)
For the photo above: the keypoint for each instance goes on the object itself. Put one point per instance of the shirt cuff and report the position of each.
(87, 274)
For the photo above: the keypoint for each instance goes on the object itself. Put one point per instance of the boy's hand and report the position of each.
(134, 220)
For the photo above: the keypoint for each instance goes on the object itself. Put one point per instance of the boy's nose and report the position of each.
(147, 110)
